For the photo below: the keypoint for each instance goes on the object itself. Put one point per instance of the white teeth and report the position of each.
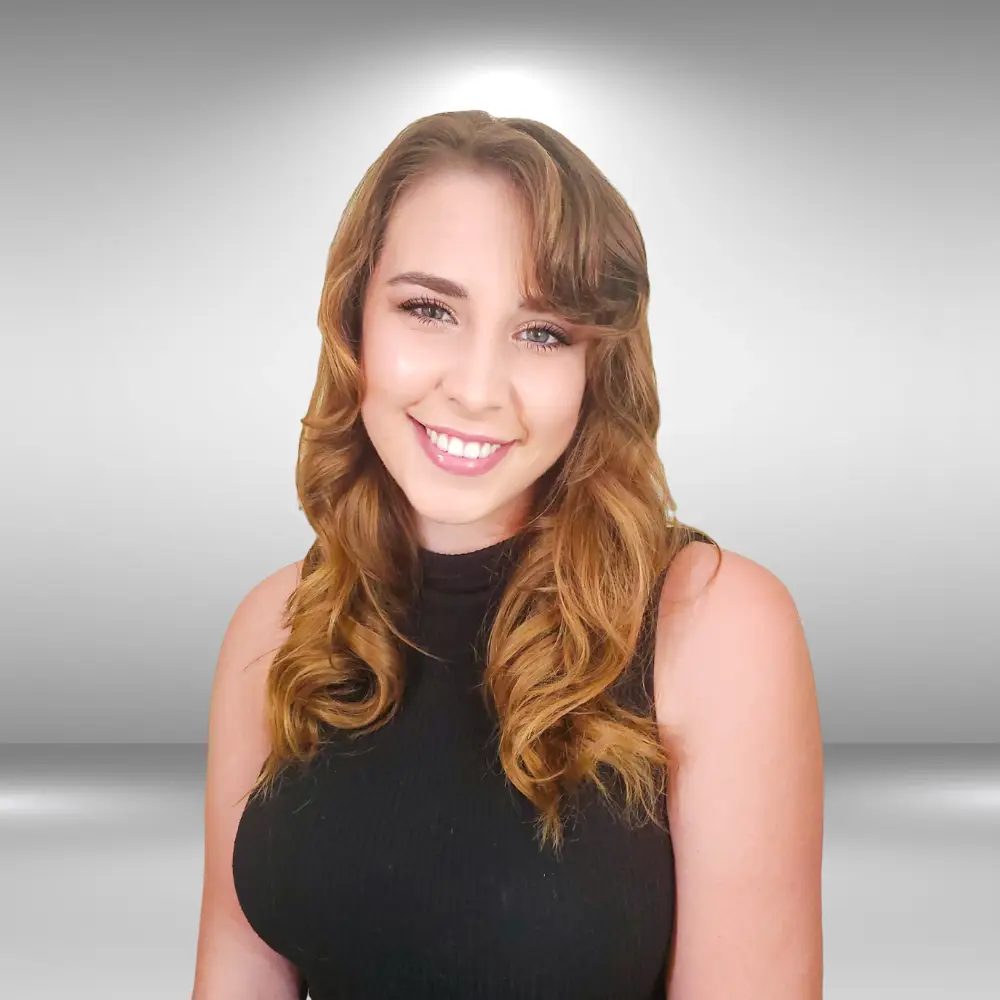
(456, 446)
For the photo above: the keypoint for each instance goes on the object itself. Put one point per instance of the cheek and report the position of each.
(554, 413)
(392, 363)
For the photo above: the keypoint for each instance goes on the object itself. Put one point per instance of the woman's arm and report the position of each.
(736, 701)
(232, 962)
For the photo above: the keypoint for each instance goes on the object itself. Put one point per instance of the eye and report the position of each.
(559, 339)
(419, 308)
(413, 307)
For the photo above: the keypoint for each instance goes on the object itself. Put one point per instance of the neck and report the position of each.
(454, 539)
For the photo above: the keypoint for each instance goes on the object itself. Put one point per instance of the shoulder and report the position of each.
(252, 637)
(269, 595)
(256, 626)
(722, 627)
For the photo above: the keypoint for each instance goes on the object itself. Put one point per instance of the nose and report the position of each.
(477, 376)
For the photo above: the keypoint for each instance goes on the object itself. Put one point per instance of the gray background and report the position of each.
(817, 185)
(818, 190)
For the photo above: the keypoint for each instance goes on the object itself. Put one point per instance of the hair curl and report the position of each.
(601, 530)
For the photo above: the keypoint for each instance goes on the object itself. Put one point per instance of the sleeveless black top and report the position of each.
(404, 864)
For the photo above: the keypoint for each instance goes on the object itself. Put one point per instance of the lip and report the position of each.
(457, 464)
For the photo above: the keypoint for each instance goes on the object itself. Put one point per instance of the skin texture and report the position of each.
(479, 365)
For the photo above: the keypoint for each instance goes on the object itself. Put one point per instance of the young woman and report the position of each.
(509, 729)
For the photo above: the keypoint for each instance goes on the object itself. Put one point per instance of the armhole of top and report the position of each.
(647, 638)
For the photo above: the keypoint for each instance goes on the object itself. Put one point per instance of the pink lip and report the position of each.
(456, 463)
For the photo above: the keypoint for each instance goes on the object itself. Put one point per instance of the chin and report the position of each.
(435, 501)
(456, 513)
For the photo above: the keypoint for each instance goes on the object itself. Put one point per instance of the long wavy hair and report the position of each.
(601, 529)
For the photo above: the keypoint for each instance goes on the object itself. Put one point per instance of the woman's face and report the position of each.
(447, 345)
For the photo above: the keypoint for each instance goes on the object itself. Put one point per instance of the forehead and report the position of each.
(459, 224)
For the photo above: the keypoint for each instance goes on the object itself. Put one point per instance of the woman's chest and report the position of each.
(406, 857)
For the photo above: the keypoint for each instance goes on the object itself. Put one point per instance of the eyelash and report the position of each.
(413, 304)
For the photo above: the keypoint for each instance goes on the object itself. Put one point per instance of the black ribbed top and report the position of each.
(403, 864)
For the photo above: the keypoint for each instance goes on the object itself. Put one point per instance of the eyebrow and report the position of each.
(445, 286)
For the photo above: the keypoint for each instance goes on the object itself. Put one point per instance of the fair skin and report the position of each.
(232, 962)
(475, 360)
(733, 683)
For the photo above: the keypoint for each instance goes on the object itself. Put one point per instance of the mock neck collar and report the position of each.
(465, 572)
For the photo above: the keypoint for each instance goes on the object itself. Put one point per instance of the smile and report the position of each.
(461, 456)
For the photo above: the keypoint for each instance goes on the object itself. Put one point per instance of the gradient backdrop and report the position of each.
(818, 188)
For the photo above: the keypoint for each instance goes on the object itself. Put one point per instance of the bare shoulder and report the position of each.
(736, 702)
(255, 632)
(718, 624)
(231, 959)
(256, 623)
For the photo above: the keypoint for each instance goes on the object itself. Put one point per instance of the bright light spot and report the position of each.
(30, 803)
(984, 798)
(510, 90)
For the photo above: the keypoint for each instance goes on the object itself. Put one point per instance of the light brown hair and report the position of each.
(601, 531)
